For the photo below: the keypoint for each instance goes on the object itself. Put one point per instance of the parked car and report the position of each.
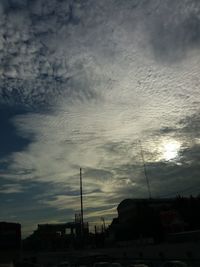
(138, 265)
(174, 264)
(107, 264)
(64, 264)
(116, 264)
(6, 265)
(101, 264)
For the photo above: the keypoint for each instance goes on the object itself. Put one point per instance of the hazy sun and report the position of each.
(170, 149)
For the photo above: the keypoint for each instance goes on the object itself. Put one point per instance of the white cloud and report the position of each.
(11, 188)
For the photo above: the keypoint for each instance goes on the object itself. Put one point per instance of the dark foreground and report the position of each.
(126, 256)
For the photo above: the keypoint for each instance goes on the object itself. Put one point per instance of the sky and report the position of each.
(92, 84)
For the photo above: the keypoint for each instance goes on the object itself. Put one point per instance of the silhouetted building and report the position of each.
(10, 236)
(10, 241)
(155, 218)
(56, 236)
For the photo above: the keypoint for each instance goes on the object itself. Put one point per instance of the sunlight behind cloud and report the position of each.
(170, 149)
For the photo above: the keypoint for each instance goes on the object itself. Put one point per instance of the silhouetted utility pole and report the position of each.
(145, 170)
(104, 225)
(81, 196)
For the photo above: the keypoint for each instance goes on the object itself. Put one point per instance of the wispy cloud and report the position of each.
(11, 188)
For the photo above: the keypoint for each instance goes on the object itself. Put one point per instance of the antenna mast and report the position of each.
(81, 196)
(145, 170)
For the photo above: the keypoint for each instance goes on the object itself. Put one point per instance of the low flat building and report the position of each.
(10, 235)
(10, 241)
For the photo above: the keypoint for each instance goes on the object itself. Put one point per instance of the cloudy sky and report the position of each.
(82, 82)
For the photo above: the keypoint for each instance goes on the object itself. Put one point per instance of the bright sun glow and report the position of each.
(170, 150)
